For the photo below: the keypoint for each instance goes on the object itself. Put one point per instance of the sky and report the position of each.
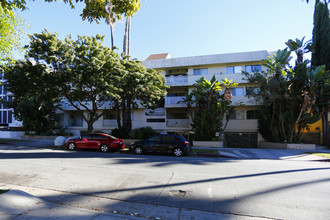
(186, 27)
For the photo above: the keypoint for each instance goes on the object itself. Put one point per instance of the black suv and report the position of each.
(173, 144)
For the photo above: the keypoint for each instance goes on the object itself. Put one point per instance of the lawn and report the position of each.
(3, 190)
(10, 140)
(205, 151)
(326, 155)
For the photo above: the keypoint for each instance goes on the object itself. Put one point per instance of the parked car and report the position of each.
(100, 141)
(173, 144)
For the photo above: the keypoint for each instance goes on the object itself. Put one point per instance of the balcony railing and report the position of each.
(156, 112)
(176, 80)
(174, 100)
(181, 123)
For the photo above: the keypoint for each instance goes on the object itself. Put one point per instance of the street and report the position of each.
(166, 187)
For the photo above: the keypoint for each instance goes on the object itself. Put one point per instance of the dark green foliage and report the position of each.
(321, 36)
(120, 133)
(288, 95)
(35, 96)
(143, 133)
(211, 107)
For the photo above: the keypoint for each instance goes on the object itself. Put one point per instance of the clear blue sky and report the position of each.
(187, 27)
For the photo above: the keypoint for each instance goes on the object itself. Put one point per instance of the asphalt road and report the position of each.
(165, 187)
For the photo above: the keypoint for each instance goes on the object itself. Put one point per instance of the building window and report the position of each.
(237, 91)
(253, 114)
(252, 90)
(156, 120)
(109, 115)
(237, 114)
(201, 71)
(234, 69)
(252, 68)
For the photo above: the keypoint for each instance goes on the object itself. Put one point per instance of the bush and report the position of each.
(143, 133)
(120, 133)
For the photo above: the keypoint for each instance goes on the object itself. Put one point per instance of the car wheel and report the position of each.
(178, 152)
(71, 146)
(138, 150)
(104, 148)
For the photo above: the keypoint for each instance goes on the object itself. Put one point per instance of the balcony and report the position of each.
(173, 101)
(172, 80)
(155, 112)
(177, 123)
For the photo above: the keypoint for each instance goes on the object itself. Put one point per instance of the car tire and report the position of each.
(138, 150)
(71, 146)
(104, 148)
(178, 152)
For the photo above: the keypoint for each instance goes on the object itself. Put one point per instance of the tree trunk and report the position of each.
(128, 115)
(325, 128)
(118, 113)
(112, 32)
(123, 113)
(125, 38)
(128, 35)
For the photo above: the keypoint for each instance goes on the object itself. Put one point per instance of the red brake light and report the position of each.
(186, 143)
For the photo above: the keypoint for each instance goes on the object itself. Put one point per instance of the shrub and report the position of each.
(143, 133)
(120, 133)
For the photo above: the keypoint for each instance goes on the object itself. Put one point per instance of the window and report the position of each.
(156, 120)
(252, 68)
(234, 69)
(109, 115)
(202, 71)
(253, 114)
(177, 116)
(10, 117)
(157, 138)
(249, 90)
(237, 114)
(237, 91)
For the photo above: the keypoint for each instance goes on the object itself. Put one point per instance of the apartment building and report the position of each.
(181, 75)
(7, 118)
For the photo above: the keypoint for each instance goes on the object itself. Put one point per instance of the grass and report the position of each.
(10, 140)
(3, 190)
(205, 151)
(325, 155)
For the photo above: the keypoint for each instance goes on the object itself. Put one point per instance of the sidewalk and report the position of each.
(271, 154)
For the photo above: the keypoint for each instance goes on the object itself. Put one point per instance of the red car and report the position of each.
(103, 142)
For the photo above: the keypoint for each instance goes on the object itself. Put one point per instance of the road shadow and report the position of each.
(177, 200)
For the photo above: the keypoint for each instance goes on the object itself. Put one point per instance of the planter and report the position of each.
(286, 146)
(11, 134)
(212, 144)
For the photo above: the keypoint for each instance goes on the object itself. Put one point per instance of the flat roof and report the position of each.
(207, 59)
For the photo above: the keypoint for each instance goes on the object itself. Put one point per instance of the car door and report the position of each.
(154, 144)
(97, 140)
(83, 141)
(168, 143)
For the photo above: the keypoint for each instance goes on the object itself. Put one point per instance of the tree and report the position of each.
(83, 70)
(35, 95)
(288, 94)
(321, 56)
(211, 107)
(138, 86)
(10, 33)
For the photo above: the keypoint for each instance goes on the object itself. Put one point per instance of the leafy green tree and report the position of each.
(83, 70)
(208, 107)
(35, 96)
(10, 33)
(288, 94)
(138, 86)
(321, 56)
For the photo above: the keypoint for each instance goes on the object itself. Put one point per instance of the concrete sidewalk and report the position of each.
(17, 204)
(270, 154)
